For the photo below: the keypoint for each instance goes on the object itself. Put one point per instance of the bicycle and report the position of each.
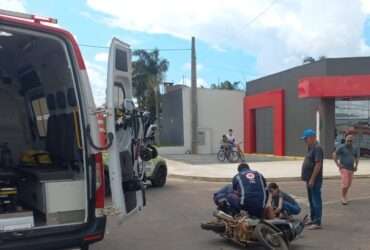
(232, 153)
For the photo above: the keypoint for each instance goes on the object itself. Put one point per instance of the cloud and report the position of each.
(101, 57)
(366, 6)
(280, 38)
(97, 76)
(13, 5)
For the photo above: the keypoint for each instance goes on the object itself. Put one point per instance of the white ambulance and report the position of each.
(51, 171)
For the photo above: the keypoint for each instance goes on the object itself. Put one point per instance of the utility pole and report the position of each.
(194, 104)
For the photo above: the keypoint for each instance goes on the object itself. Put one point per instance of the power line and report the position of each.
(261, 13)
(106, 47)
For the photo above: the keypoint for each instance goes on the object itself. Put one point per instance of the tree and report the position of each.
(148, 73)
(226, 85)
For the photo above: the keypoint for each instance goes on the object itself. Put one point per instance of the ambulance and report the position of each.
(51, 169)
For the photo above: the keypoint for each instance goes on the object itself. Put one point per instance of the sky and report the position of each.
(236, 40)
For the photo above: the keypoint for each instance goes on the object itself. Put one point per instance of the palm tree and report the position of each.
(148, 73)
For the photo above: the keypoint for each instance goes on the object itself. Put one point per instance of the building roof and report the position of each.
(323, 61)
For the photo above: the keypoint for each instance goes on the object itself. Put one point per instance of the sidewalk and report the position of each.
(273, 170)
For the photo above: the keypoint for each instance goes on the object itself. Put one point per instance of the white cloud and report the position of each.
(187, 67)
(281, 38)
(97, 76)
(366, 5)
(13, 5)
(101, 57)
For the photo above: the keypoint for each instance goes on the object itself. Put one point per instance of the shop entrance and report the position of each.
(353, 116)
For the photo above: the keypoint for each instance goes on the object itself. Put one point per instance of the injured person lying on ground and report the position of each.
(42, 156)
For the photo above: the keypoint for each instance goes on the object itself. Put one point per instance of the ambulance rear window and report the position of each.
(121, 60)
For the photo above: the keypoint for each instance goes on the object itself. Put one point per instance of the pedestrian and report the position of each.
(346, 156)
(312, 175)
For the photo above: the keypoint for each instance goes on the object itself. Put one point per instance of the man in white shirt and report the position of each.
(231, 137)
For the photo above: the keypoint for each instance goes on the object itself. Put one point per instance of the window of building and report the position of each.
(41, 112)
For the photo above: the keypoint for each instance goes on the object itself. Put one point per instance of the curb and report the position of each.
(285, 157)
(274, 179)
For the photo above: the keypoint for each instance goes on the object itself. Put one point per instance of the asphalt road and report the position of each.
(173, 214)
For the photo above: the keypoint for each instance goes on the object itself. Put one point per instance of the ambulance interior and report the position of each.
(42, 173)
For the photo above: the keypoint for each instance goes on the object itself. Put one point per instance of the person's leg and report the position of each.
(220, 196)
(234, 201)
(317, 203)
(346, 176)
(255, 211)
(291, 208)
(310, 202)
(344, 185)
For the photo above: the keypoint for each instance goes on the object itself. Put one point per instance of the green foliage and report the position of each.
(227, 85)
(148, 73)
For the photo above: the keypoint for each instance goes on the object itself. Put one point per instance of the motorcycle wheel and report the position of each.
(221, 155)
(270, 237)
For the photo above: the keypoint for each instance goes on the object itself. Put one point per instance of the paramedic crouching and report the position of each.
(247, 192)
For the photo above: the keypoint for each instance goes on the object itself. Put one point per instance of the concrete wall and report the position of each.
(219, 110)
(172, 129)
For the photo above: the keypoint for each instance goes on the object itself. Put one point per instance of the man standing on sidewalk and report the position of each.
(346, 157)
(312, 174)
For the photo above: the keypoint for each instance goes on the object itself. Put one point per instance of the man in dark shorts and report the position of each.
(312, 175)
(346, 157)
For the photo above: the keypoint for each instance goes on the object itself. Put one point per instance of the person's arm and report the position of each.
(336, 159)
(357, 158)
(319, 157)
(269, 201)
(280, 206)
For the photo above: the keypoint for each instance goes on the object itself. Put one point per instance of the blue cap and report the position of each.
(308, 133)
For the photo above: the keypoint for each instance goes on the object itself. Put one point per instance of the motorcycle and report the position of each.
(273, 234)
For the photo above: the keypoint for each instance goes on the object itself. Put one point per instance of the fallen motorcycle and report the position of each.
(273, 234)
